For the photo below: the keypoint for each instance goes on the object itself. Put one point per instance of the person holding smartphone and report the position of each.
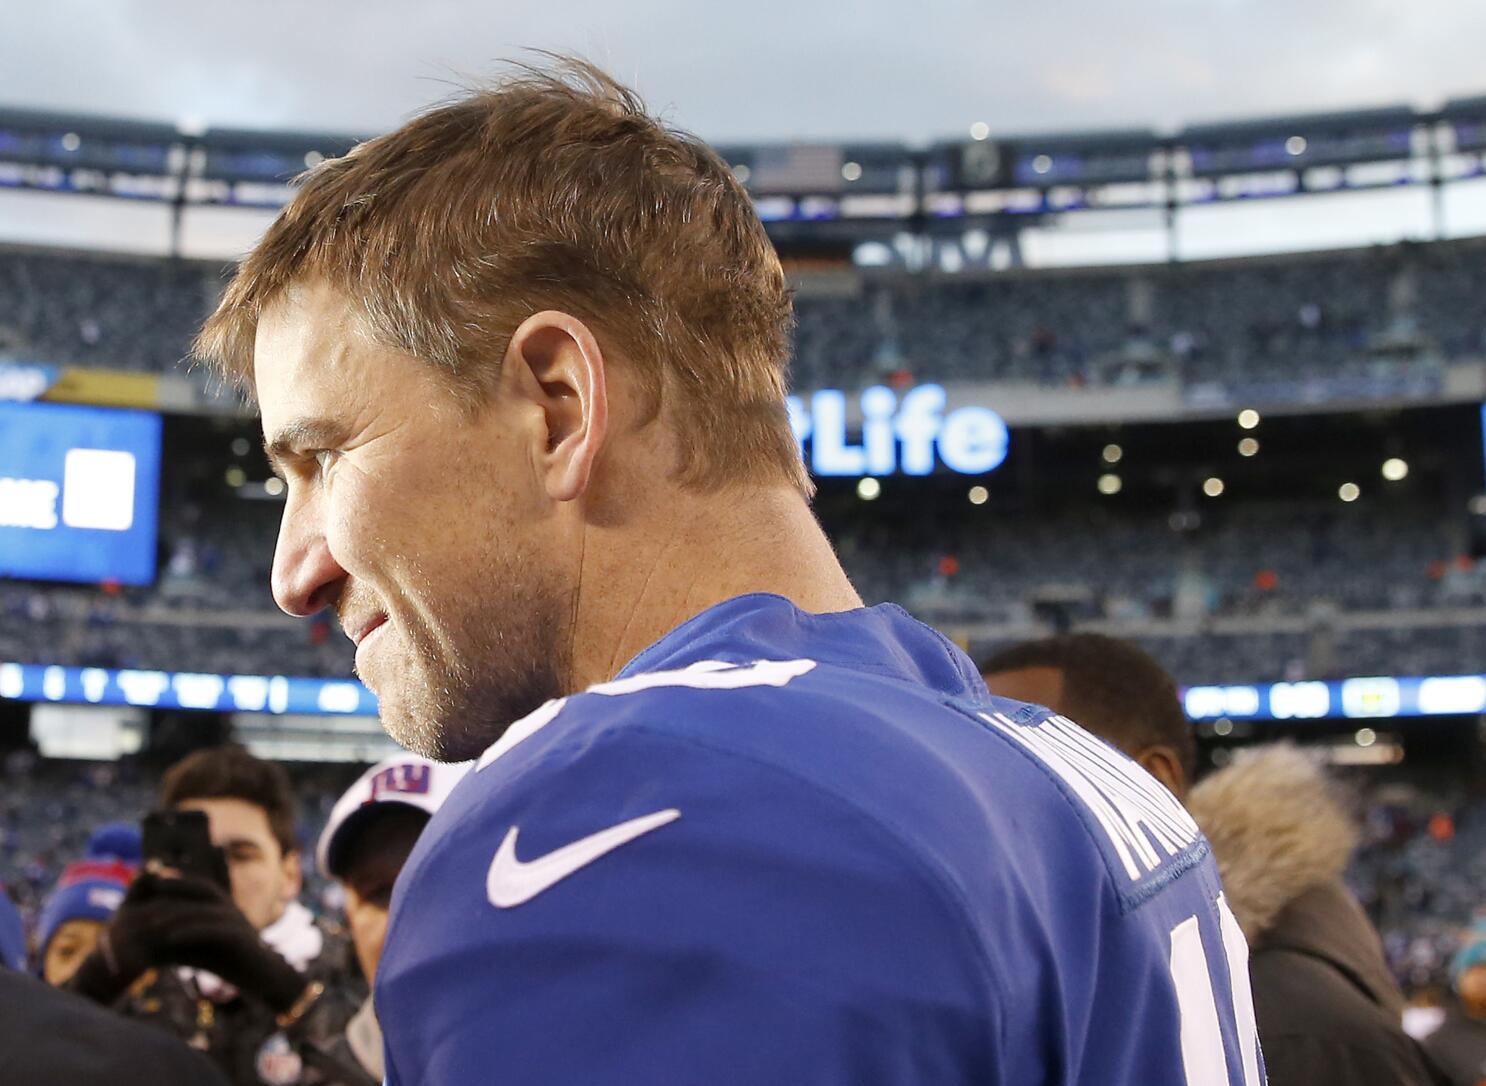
(212, 940)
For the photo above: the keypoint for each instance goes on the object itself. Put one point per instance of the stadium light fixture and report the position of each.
(1042, 163)
(1395, 469)
(312, 159)
(1365, 737)
(742, 173)
(1112, 454)
(1223, 727)
(1248, 447)
(240, 446)
(869, 489)
(236, 477)
(1110, 484)
(1349, 492)
(273, 486)
(979, 130)
(1213, 487)
(851, 171)
(1248, 419)
(979, 495)
(1295, 146)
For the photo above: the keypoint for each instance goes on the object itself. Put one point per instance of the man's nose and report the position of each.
(306, 576)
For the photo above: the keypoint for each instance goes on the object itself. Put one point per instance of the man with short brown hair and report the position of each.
(243, 971)
(522, 364)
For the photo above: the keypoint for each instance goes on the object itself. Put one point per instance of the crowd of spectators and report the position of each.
(1259, 592)
(1391, 312)
(108, 312)
(1418, 871)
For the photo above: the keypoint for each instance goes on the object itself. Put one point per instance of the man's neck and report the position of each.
(636, 589)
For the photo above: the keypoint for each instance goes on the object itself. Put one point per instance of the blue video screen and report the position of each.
(79, 493)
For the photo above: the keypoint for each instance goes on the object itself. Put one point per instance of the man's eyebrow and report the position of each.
(299, 434)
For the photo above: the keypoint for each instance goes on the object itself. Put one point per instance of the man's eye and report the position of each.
(323, 459)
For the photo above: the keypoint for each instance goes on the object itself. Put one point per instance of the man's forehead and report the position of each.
(231, 817)
(304, 335)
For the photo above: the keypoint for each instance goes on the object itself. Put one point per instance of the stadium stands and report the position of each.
(1266, 591)
(109, 312)
(1369, 313)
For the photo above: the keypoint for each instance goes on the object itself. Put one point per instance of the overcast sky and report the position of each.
(765, 70)
(759, 70)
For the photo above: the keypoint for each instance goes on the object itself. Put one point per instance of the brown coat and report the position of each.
(1329, 1011)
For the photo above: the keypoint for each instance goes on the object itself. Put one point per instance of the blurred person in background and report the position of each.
(371, 831)
(1329, 1011)
(70, 924)
(1113, 689)
(250, 976)
(85, 899)
(1457, 1041)
(12, 934)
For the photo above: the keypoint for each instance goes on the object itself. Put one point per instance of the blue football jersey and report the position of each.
(794, 848)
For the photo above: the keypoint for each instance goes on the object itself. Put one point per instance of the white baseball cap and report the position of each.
(404, 779)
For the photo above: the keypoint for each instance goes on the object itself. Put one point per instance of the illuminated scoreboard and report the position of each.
(79, 493)
(913, 434)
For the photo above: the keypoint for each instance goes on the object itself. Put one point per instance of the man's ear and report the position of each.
(554, 363)
(1163, 764)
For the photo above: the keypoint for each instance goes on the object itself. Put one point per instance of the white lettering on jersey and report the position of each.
(1143, 821)
(702, 675)
(711, 675)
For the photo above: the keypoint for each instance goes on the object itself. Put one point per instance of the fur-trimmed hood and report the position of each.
(1278, 829)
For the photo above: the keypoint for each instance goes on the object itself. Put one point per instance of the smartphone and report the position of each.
(183, 840)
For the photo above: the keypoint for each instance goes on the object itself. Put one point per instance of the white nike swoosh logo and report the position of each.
(511, 882)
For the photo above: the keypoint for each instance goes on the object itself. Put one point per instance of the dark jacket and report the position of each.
(241, 1034)
(53, 1038)
(1329, 1011)
(1458, 1047)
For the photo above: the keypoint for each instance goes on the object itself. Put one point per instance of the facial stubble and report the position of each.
(499, 653)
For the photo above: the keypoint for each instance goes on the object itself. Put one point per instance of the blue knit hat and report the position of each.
(82, 899)
(12, 934)
(91, 888)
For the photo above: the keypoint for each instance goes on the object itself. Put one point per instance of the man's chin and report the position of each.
(437, 734)
(447, 734)
(415, 732)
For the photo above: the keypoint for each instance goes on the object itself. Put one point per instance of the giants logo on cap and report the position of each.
(405, 779)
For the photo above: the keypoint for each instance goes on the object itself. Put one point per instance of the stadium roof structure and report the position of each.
(106, 128)
(242, 154)
(1329, 121)
(846, 191)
